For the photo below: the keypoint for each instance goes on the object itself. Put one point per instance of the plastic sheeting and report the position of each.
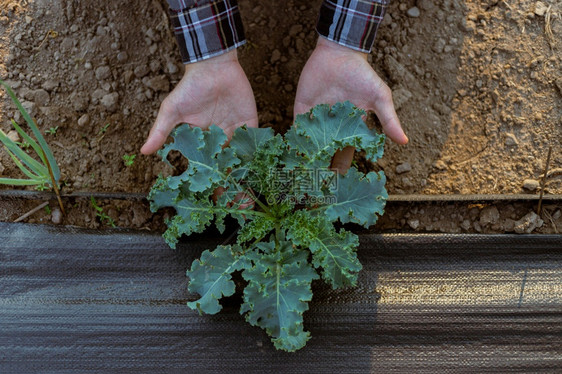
(114, 301)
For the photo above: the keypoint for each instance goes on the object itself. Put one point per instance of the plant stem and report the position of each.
(53, 181)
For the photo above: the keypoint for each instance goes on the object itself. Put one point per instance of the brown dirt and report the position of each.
(477, 84)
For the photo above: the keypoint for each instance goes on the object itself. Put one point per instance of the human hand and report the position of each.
(335, 73)
(213, 91)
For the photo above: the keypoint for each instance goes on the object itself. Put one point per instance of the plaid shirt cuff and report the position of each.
(207, 30)
(351, 23)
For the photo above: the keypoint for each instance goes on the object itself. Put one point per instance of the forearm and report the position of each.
(353, 24)
(206, 28)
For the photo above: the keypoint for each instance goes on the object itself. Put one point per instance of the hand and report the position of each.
(213, 91)
(335, 73)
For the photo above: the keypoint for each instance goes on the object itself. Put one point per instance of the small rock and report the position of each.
(56, 216)
(440, 165)
(295, 29)
(159, 83)
(84, 120)
(508, 225)
(2, 168)
(14, 136)
(275, 56)
(79, 101)
(122, 56)
(540, 8)
(510, 140)
(403, 168)
(103, 72)
(172, 68)
(41, 97)
(50, 85)
(489, 215)
(413, 12)
(465, 225)
(110, 101)
(128, 76)
(414, 223)
(530, 184)
(141, 71)
(439, 45)
(528, 223)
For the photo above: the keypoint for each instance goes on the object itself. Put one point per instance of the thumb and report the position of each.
(383, 106)
(165, 122)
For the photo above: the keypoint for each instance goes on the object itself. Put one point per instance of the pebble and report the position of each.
(103, 72)
(413, 12)
(275, 56)
(510, 140)
(414, 223)
(2, 168)
(528, 223)
(122, 56)
(50, 85)
(84, 120)
(110, 101)
(41, 97)
(14, 136)
(56, 216)
(530, 184)
(141, 71)
(440, 164)
(403, 168)
(489, 215)
(159, 83)
(465, 225)
(172, 68)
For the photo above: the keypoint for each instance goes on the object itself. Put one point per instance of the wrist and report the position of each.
(325, 44)
(229, 57)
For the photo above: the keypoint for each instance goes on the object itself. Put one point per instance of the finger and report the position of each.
(165, 122)
(342, 160)
(384, 108)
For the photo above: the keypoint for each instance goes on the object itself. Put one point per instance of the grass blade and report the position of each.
(35, 130)
(28, 139)
(33, 164)
(19, 182)
(22, 166)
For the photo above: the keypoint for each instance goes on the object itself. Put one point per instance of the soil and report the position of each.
(477, 86)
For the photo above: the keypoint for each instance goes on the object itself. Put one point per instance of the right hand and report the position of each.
(214, 91)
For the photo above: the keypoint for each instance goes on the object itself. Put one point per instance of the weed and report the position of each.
(129, 160)
(104, 218)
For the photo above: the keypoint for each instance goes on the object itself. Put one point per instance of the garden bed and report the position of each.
(477, 85)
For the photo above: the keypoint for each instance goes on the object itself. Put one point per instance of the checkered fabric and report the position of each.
(352, 23)
(207, 28)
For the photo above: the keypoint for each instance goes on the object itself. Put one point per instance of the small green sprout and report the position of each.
(129, 160)
(103, 130)
(104, 218)
(48, 209)
(52, 130)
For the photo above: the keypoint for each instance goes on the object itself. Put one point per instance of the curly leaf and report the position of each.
(246, 140)
(211, 277)
(208, 162)
(317, 135)
(358, 198)
(277, 294)
(334, 252)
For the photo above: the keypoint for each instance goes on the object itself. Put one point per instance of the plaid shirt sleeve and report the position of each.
(352, 23)
(206, 28)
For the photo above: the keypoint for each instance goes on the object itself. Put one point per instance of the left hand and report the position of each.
(335, 73)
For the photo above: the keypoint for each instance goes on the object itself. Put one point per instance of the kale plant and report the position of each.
(286, 200)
